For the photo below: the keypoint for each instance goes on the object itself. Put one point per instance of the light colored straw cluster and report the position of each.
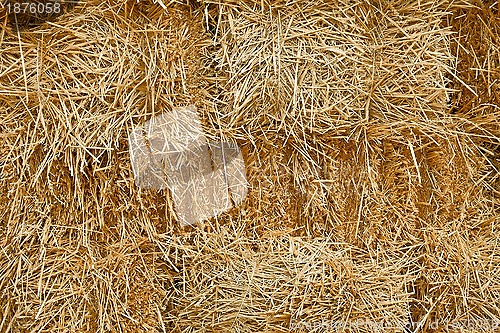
(321, 67)
(370, 135)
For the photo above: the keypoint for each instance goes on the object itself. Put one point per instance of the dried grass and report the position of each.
(73, 224)
(369, 130)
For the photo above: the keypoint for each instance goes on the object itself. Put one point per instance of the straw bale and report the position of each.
(318, 67)
(373, 167)
(281, 283)
(66, 287)
(77, 236)
(327, 84)
(459, 281)
(477, 51)
(73, 90)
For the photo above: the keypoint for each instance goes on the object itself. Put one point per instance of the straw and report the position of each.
(370, 135)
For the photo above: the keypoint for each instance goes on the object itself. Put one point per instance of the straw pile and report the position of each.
(371, 137)
(77, 251)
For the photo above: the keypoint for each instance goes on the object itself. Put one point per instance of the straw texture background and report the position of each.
(370, 132)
